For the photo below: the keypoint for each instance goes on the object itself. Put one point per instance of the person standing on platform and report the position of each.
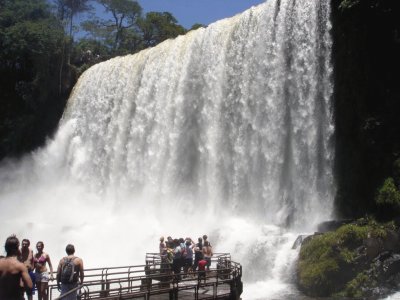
(207, 253)
(69, 273)
(41, 273)
(198, 253)
(13, 272)
(202, 270)
(162, 246)
(177, 262)
(27, 260)
(188, 258)
(205, 239)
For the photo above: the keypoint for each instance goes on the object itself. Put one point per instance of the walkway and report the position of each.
(154, 280)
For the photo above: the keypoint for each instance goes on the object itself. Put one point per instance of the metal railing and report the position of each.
(222, 281)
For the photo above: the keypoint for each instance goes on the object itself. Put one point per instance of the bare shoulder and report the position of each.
(21, 266)
(14, 265)
(79, 262)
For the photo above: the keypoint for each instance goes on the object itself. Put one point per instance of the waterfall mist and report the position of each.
(225, 131)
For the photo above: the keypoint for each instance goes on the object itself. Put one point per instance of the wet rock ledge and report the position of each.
(356, 259)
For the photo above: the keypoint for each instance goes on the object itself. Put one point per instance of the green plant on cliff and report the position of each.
(354, 288)
(396, 172)
(346, 4)
(322, 258)
(327, 262)
(388, 200)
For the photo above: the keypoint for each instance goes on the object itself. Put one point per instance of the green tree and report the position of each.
(197, 26)
(31, 41)
(125, 14)
(67, 10)
(87, 52)
(157, 27)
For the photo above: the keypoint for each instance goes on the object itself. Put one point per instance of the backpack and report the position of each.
(68, 271)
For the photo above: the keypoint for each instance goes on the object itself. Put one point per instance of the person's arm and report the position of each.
(51, 267)
(58, 277)
(32, 261)
(81, 272)
(26, 279)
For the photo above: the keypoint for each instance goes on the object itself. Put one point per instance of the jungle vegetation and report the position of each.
(46, 44)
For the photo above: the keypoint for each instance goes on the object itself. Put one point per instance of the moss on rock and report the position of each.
(336, 263)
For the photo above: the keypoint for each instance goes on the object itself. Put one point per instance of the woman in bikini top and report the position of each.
(40, 261)
(42, 275)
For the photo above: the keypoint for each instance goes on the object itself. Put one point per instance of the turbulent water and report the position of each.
(225, 131)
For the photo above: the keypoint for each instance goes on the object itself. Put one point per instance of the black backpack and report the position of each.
(68, 271)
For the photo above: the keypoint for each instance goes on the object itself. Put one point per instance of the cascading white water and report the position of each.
(226, 130)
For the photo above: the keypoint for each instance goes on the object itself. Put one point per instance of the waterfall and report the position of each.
(226, 130)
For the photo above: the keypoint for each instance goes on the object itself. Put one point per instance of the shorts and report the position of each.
(30, 292)
(42, 277)
(66, 287)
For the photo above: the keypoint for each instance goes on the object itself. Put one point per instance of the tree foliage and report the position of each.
(157, 27)
(31, 40)
(125, 14)
(41, 57)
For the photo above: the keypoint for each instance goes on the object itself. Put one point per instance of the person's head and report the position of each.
(39, 246)
(205, 237)
(200, 240)
(181, 240)
(12, 245)
(188, 243)
(25, 244)
(161, 239)
(70, 249)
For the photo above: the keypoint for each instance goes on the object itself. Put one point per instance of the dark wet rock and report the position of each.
(332, 225)
(300, 239)
(392, 241)
(391, 266)
(373, 247)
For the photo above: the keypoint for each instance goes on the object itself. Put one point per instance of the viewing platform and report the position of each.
(155, 280)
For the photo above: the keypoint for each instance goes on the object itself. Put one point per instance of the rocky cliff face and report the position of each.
(367, 99)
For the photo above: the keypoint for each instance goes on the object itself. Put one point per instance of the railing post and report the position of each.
(173, 294)
(214, 291)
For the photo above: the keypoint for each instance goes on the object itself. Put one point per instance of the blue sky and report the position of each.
(189, 12)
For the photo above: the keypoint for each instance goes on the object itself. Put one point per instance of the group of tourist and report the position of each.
(179, 253)
(21, 270)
